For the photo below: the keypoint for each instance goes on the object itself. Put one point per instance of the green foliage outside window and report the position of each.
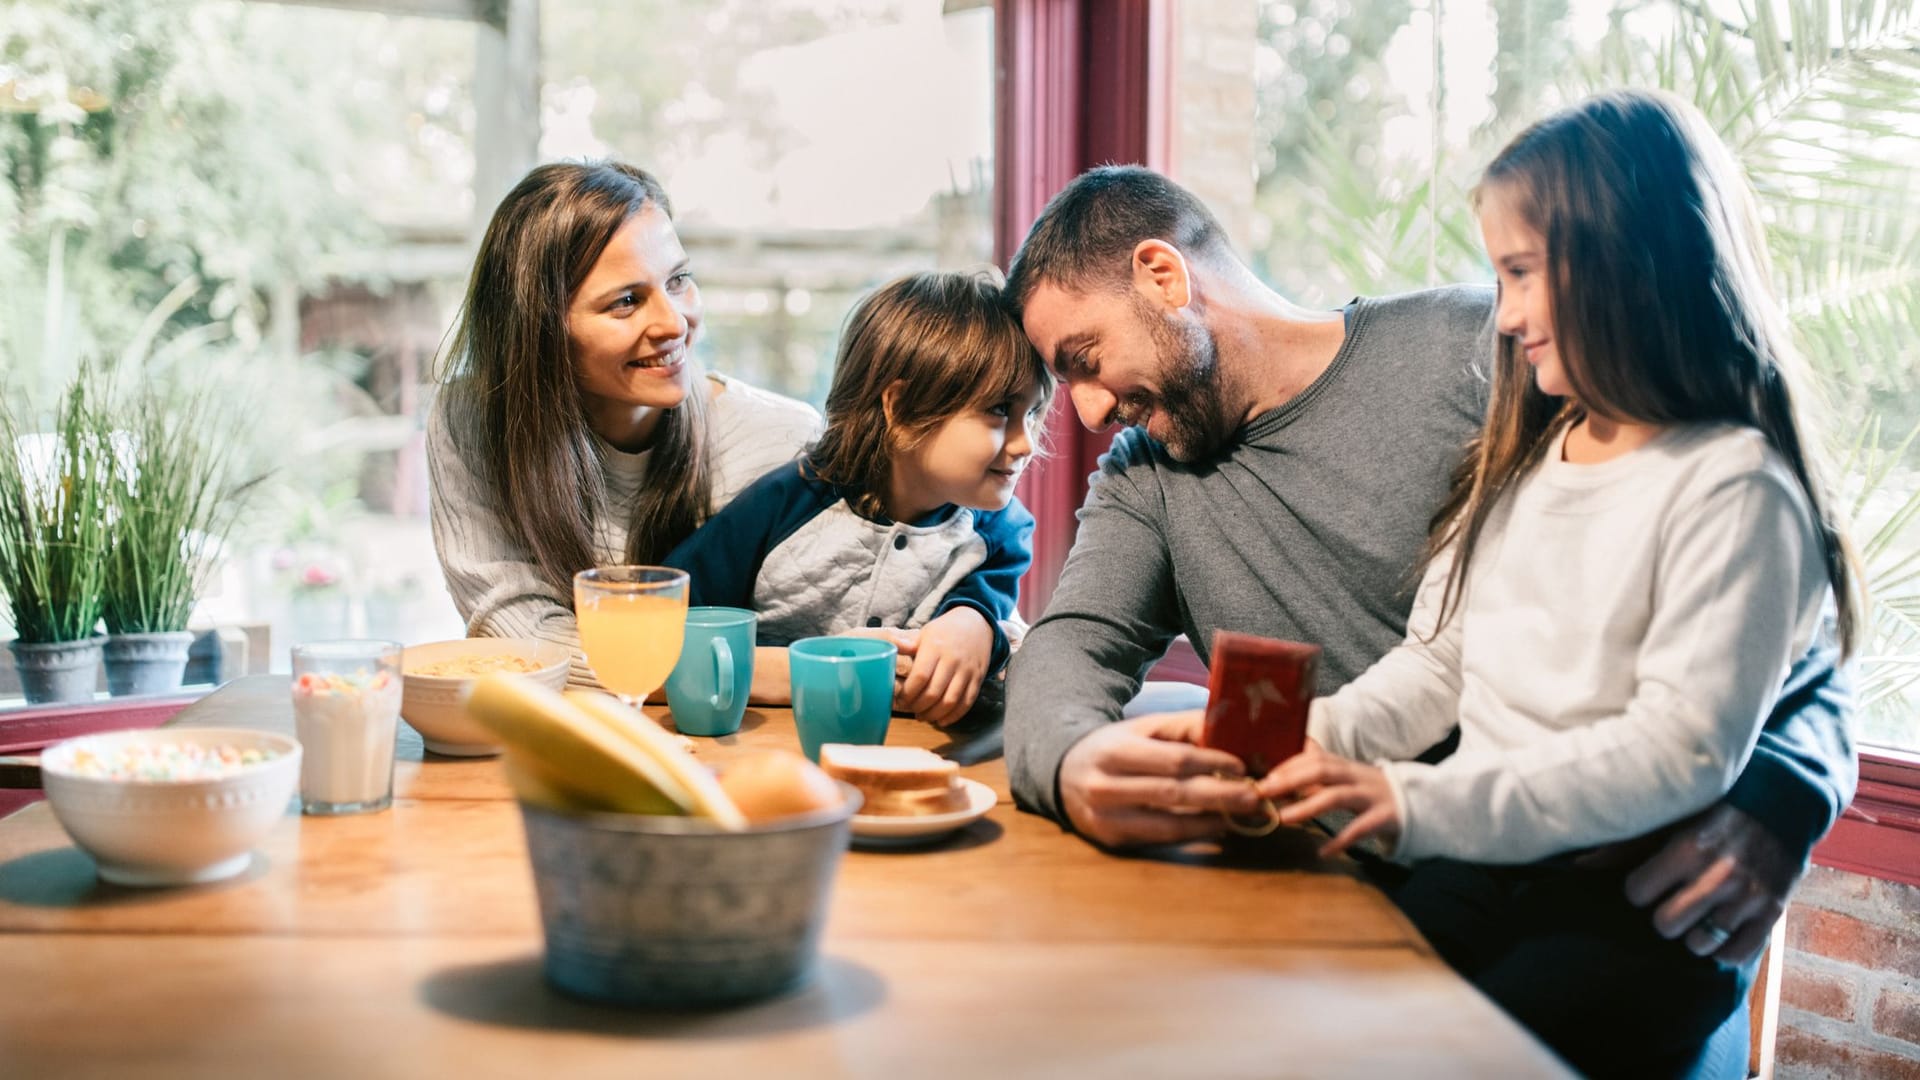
(176, 176)
(147, 143)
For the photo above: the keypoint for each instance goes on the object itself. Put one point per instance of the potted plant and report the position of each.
(53, 545)
(171, 511)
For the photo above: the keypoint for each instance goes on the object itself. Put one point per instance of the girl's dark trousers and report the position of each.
(1561, 949)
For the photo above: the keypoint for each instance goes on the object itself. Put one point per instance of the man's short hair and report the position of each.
(1084, 239)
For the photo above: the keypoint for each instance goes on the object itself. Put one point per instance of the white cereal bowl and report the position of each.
(436, 705)
(172, 832)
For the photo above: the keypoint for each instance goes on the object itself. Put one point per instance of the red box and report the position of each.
(1258, 691)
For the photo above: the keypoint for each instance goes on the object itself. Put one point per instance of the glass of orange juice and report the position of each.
(632, 622)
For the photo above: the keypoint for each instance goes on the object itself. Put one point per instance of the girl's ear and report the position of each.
(1161, 273)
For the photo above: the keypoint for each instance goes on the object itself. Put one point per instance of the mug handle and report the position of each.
(723, 675)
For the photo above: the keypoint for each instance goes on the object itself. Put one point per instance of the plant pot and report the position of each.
(52, 672)
(146, 663)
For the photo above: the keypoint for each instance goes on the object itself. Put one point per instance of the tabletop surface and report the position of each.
(407, 942)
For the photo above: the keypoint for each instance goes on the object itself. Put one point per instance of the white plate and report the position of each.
(900, 828)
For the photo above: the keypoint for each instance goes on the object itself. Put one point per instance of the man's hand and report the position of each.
(1320, 782)
(950, 660)
(1143, 781)
(1721, 881)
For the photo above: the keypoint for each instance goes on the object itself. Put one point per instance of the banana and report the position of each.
(577, 753)
(532, 784)
(703, 795)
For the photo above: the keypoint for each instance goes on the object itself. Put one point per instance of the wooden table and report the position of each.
(407, 943)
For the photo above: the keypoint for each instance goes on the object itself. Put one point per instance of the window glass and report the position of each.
(287, 195)
(812, 151)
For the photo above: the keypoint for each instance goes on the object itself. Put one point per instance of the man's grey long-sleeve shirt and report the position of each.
(1306, 528)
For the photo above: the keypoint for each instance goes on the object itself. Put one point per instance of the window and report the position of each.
(812, 149)
(322, 197)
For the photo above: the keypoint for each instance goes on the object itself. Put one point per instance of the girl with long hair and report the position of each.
(575, 428)
(1642, 544)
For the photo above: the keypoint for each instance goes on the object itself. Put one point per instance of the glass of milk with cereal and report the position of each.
(346, 711)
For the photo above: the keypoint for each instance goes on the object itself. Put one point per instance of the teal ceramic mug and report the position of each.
(708, 688)
(842, 690)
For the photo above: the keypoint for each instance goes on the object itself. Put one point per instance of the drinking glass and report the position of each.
(632, 622)
(346, 711)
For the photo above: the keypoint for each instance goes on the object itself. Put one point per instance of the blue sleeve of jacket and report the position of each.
(1803, 771)
(994, 585)
(723, 557)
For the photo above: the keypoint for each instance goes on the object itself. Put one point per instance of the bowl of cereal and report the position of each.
(434, 680)
(175, 806)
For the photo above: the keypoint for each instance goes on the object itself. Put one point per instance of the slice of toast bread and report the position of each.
(902, 781)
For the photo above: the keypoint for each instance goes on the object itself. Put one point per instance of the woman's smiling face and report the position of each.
(631, 325)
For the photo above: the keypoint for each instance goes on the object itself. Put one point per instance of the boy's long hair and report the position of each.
(951, 342)
(1662, 311)
(512, 394)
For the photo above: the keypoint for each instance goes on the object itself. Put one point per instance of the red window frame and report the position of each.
(30, 730)
(1879, 835)
(1082, 83)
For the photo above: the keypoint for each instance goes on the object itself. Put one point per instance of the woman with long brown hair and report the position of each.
(1643, 544)
(575, 428)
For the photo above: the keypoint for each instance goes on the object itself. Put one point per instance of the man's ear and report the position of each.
(1162, 273)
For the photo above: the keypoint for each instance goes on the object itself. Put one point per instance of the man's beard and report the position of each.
(1190, 396)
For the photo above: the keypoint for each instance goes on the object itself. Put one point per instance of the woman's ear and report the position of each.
(1162, 274)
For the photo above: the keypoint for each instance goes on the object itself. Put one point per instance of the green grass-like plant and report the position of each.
(53, 521)
(172, 506)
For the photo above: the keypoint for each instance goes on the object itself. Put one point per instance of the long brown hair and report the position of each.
(1663, 312)
(951, 342)
(512, 393)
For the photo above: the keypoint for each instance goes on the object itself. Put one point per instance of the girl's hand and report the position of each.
(1319, 782)
(949, 662)
(771, 677)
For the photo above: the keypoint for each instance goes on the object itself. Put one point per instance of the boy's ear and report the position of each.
(890, 399)
(1161, 273)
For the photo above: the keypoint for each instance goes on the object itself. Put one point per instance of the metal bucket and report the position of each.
(672, 912)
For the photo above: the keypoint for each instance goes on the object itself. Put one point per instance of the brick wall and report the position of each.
(1850, 993)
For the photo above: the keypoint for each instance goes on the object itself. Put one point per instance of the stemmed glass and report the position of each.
(632, 622)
